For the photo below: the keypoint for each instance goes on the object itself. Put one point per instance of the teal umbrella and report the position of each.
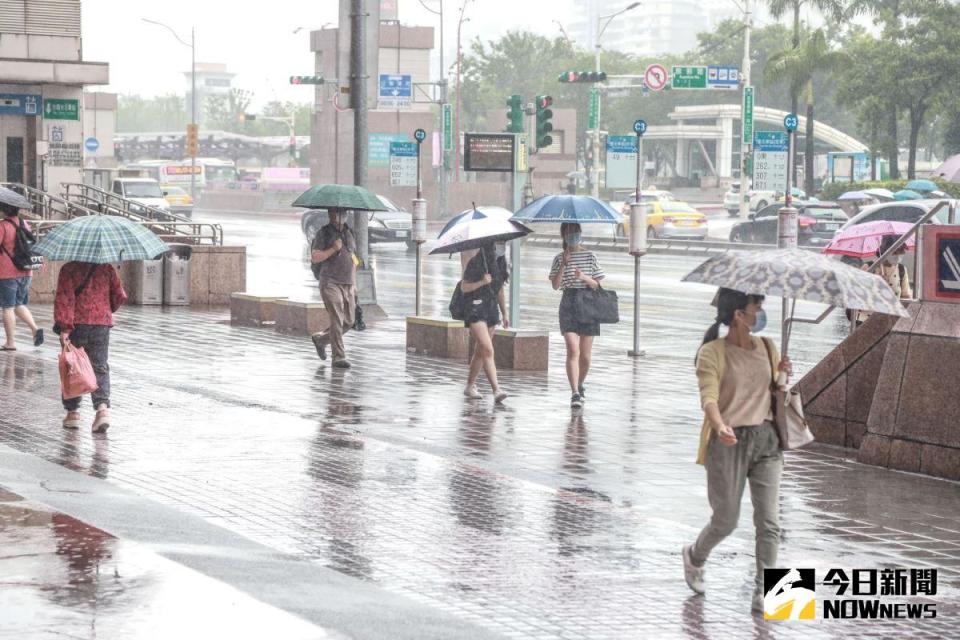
(907, 194)
(100, 239)
(339, 196)
(922, 186)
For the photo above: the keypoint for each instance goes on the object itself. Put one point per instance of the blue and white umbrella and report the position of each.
(464, 216)
(559, 209)
(476, 230)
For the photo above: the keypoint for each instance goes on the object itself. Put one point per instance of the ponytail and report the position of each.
(728, 302)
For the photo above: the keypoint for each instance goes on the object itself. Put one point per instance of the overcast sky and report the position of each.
(258, 43)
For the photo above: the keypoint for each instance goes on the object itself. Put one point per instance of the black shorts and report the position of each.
(569, 322)
(483, 309)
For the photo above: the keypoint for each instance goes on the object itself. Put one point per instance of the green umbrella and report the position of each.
(100, 239)
(339, 196)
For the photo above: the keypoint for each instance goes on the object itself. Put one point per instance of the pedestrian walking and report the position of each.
(333, 255)
(893, 272)
(87, 296)
(575, 270)
(738, 440)
(483, 307)
(14, 281)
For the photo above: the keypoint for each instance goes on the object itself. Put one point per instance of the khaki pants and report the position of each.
(339, 299)
(756, 457)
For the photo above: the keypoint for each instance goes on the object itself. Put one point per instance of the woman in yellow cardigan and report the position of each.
(738, 441)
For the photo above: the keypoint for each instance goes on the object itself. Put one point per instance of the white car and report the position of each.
(758, 199)
(145, 191)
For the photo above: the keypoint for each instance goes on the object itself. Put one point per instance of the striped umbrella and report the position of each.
(580, 209)
(100, 239)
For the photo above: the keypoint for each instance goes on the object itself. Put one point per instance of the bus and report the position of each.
(206, 171)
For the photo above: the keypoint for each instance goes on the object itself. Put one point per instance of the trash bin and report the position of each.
(176, 275)
(146, 284)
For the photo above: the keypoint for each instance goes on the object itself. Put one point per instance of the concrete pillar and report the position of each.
(724, 160)
(683, 158)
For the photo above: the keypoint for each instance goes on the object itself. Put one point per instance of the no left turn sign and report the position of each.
(655, 77)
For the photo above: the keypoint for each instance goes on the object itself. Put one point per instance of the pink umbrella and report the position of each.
(950, 169)
(863, 240)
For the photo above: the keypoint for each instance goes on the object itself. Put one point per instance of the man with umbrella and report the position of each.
(333, 252)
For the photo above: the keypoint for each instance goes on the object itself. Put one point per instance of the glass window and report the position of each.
(142, 190)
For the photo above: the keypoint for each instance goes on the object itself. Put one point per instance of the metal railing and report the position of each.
(183, 232)
(95, 197)
(47, 206)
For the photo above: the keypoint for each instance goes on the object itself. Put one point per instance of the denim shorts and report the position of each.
(14, 291)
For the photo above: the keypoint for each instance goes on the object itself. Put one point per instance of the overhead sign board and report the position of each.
(689, 77)
(770, 161)
(940, 267)
(57, 109)
(621, 162)
(655, 77)
(395, 90)
(20, 104)
(489, 151)
(747, 125)
(403, 164)
(723, 77)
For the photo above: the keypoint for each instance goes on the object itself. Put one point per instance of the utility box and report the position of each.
(146, 283)
(176, 275)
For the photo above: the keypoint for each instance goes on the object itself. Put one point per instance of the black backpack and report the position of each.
(23, 257)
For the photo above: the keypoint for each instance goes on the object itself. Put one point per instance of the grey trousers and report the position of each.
(95, 340)
(756, 457)
(339, 300)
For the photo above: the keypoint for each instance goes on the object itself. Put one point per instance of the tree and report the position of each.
(797, 67)
(136, 114)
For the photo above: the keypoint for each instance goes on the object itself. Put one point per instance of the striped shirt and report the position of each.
(586, 261)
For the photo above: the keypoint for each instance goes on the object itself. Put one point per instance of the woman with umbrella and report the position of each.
(14, 282)
(89, 292)
(484, 307)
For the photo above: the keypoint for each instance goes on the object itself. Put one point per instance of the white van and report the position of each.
(144, 191)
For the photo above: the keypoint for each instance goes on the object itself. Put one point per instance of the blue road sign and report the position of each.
(20, 104)
(396, 87)
(723, 77)
(621, 144)
(419, 135)
(91, 144)
(640, 127)
(791, 122)
(770, 141)
(403, 149)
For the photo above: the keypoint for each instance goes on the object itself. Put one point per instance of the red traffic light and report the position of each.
(544, 101)
(295, 80)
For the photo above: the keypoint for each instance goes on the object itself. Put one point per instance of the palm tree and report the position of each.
(798, 66)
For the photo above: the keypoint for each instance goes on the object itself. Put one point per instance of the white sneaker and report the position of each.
(472, 392)
(499, 396)
(692, 573)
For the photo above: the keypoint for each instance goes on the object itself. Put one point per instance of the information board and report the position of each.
(621, 162)
(488, 152)
(403, 164)
(770, 161)
(378, 151)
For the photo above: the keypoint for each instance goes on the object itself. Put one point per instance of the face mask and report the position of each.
(574, 239)
(501, 250)
(761, 322)
(893, 260)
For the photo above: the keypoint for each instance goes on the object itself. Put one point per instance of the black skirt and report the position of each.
(569, 320)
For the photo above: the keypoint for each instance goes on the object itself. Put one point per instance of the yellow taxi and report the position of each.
(669, 219)
(179, 200)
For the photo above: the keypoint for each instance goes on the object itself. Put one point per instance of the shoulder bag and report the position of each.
(598, 305)
(792, 427)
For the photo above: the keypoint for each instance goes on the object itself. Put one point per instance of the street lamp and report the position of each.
(193, 95)
(463, 8)
(602, 23)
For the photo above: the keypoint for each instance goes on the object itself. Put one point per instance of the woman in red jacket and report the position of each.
(87, 297)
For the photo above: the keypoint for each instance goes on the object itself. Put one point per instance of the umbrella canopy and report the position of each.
(855, 195)
(581, 209)
(884, 194)
(799, 275)
(463, 216)
(8, 196)
(100, 239)
(863, 240)
(950, 169)
(339, 196)
(476, 231)
(922, 186)
(907, 194)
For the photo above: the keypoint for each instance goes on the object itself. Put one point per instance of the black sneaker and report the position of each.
(583, 393)
(320, 343)
(341, 364)
(576, 401)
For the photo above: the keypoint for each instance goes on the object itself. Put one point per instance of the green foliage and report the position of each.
(833, 190)
(142, 115)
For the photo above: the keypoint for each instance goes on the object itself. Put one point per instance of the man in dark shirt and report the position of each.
(334, 250)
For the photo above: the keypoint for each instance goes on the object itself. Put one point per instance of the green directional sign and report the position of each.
(689, 77)
(56, 109)
(447, 126)
(593, 119)
(747, 115)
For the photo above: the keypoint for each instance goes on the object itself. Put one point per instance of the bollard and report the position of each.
(638, 248)
(419, 235)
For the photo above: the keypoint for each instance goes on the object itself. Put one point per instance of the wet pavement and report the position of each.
(528, 520)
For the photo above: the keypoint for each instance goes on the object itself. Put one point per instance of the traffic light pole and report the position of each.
(746, 146)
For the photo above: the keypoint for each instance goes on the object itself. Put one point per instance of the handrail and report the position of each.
(46, 201)
(112, 199)
(896, 245)
(214, 232)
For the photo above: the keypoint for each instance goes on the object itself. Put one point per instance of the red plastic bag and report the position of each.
(76, 372)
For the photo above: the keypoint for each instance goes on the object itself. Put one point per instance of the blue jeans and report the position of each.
(14, 292)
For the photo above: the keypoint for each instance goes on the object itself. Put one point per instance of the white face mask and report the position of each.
(501, 250)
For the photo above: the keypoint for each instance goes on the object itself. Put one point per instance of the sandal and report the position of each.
(102, 422)
(72, 420)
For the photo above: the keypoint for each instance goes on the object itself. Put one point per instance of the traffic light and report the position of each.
(306, 79)
(544, 113)
(515, 114)
(193, 143)
(583, 76)
(246, 117)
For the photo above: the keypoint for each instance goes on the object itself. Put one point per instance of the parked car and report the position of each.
(905, 211)
(671, 219)
(393, 224)
(818, 222)
(623, 198)
(179, 200)
(145, 191)
(758, 199)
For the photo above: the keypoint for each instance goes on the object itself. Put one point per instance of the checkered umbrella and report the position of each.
(100, 239)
